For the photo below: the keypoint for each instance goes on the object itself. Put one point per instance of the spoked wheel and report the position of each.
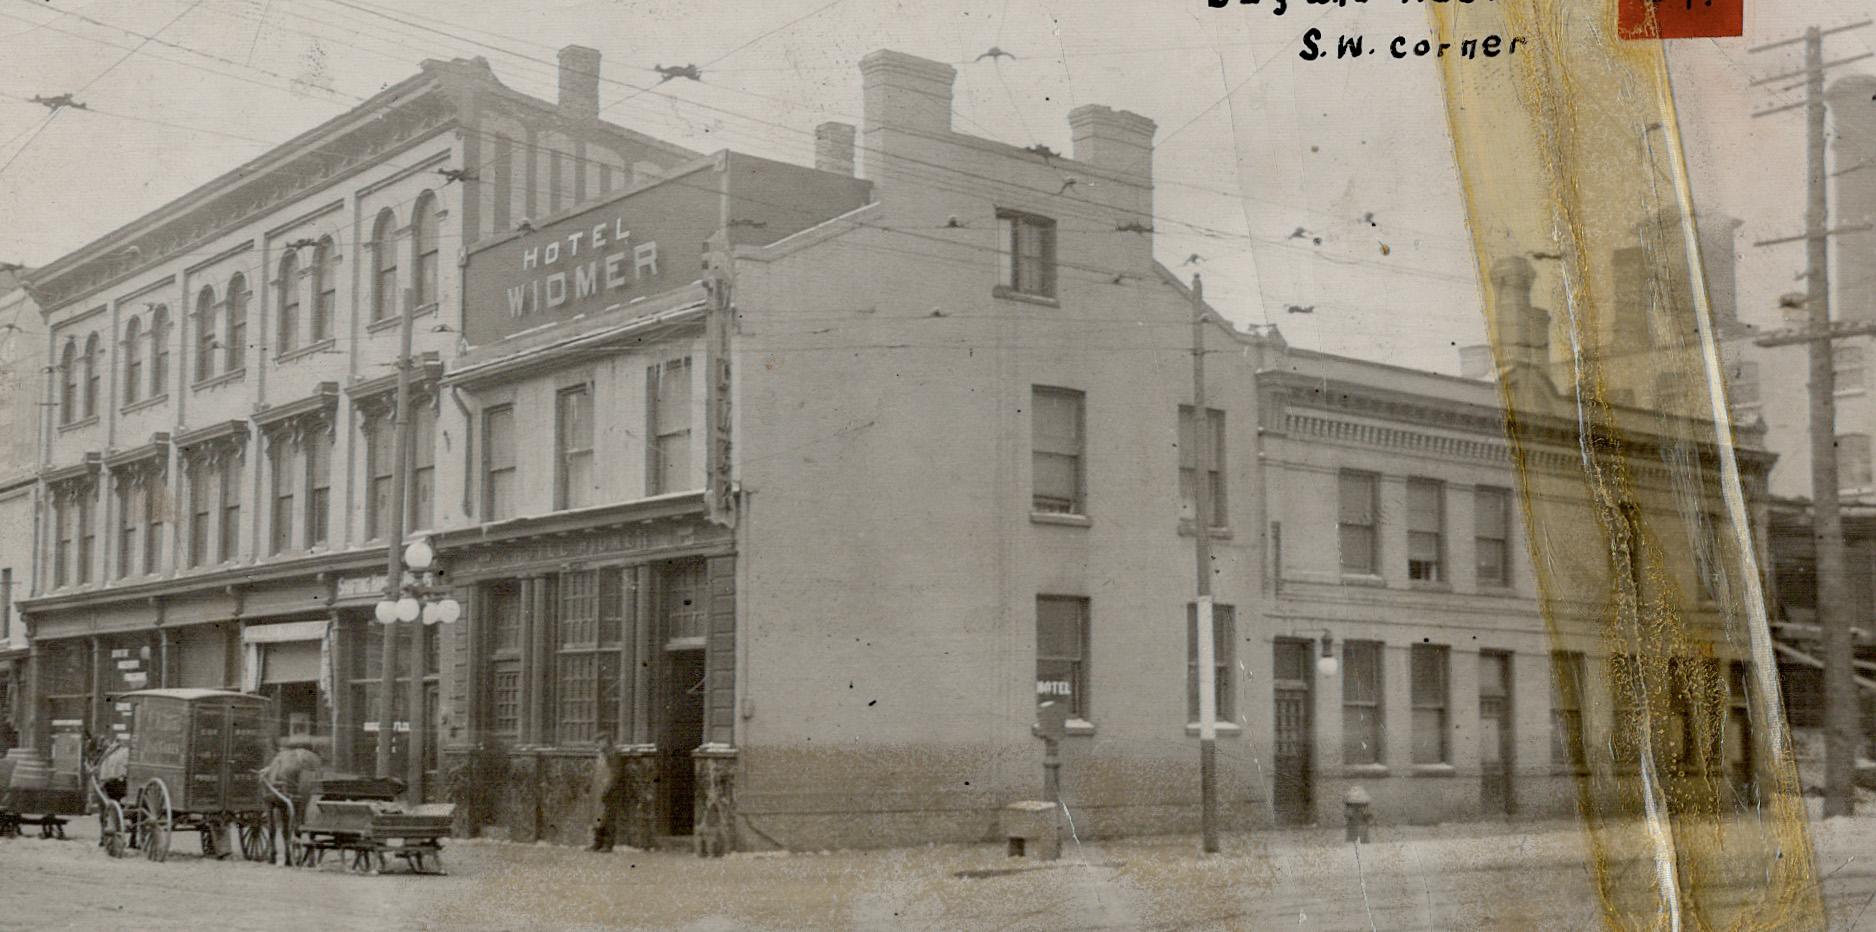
(154, 820)
(116, 838)
(257, 841)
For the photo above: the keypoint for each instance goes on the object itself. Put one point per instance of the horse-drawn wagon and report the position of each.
(194, 762)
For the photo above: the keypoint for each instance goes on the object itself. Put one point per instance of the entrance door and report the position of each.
(682, 733)
(1292, 798)
(1495, 738)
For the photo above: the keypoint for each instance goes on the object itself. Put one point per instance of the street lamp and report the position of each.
(417, 593)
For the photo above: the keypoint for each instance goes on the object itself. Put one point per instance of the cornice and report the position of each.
(86, 468)
(193, 442)
(321, 403)
(157, 449)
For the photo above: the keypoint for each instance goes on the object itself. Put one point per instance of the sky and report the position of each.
(1287, 178)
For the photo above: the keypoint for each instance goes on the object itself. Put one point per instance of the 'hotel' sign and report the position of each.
(584, 263)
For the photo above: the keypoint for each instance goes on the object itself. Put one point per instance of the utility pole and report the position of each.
(394, 546)
(1202, 534)
(1834, 618)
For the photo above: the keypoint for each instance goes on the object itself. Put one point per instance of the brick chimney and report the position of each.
(903, 94)
(833, 148)
(1117, 140)
(1522, 330)
(579, 82)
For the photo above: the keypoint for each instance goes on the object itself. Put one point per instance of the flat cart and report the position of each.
(195, 761)
(33, 794)
(361, 823)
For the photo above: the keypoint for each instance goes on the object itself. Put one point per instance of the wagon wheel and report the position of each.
(154, 820)
(116, 838)
(257, 842)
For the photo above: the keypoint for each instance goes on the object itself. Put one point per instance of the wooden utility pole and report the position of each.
(1202, 533)
(394, 547)
(1842, 724)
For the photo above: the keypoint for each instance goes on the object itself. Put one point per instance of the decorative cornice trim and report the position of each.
(157, 449)
(86, 468)
(193, 440)
(321, 403)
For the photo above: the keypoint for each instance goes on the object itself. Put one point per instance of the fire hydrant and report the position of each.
(1355, 805)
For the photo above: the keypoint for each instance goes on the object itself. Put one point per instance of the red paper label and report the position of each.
(1680, 19)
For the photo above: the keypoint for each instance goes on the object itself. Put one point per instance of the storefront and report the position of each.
(612, 627)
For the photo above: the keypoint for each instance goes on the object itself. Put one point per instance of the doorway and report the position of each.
(1495, 737)
(682, 732)
(1292, 797)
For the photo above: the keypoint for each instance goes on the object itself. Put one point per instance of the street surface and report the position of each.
(1462, 876)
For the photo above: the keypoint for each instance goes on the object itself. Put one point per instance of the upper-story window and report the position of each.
(231, 508)
(68, 382)
(420, 510)
(287, 289)
(91, 376)
(200, 512)
(423, 235)
(573, 447)
(1355, 523)
(1056, 444)
(1426, 530)
(318, 448)
(205, 334)
(236, 330)
(1027, 254)
(280, 524)
(159, 350)
(498, 463)
(325, 288)
(384, 266)
(1214, 466)
(380, 459)
(1491, 521)
(133, 360)
(668, 469)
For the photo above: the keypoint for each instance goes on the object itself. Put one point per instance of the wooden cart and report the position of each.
(361, 823)
(33, 794)
(195, 761)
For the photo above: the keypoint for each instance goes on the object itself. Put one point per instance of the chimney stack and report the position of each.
(833, 148)
(906, 92)
(579, 82)
(1117, 140)
(1523, 330)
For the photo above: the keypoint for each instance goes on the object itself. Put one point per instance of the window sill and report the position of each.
(1496, 589)
(1010, 294)
(150, 402)
(1435, 770)
(78, 425)
(1851, 392)
(1074, 727)
(1225, 729)
(1364, 579)
(1354, 771)
(1065, 520)
(1430, 585)
(225, 378)
(1218, 532)
(310, 349)
(391, 322)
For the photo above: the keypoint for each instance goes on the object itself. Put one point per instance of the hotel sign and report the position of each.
(608, 255)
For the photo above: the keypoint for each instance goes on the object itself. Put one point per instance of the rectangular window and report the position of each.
(420, 510)
(1566, 709)
(1062, 653)
(1028, 254)
(281, 521)
(1214, 466)
(1426, 524)
(1056, 442)
(502, 605)
(1355, 523)
(62, 534)
(1361, 702)
(87, 538)
(126, 529)
(155, 507)
(1428, 681)
(318, 446)
(669, 417)
(1224, 661)
(1491, 535)
(592, 607)
(201, 512)
(380, 456)
(1853, 461)
(498, 463)
(231, 509)
(682, 593)
(573, 447)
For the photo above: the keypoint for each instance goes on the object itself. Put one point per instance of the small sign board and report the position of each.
(1052, 720)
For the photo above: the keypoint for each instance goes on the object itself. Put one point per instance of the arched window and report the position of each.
(236, 332)
(91, 376)
(325, 288)
(423, 234)
(133, 360)
(159, 350)
(384, 266)
(68, 382)
(205, 334)
(287, 288)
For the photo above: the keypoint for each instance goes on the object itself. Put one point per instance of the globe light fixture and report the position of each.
(419, 555)
(448, 610)
(385, 612)
(429, 613)
(407, 609)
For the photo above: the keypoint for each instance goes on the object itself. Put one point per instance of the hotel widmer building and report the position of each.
(800, 487)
